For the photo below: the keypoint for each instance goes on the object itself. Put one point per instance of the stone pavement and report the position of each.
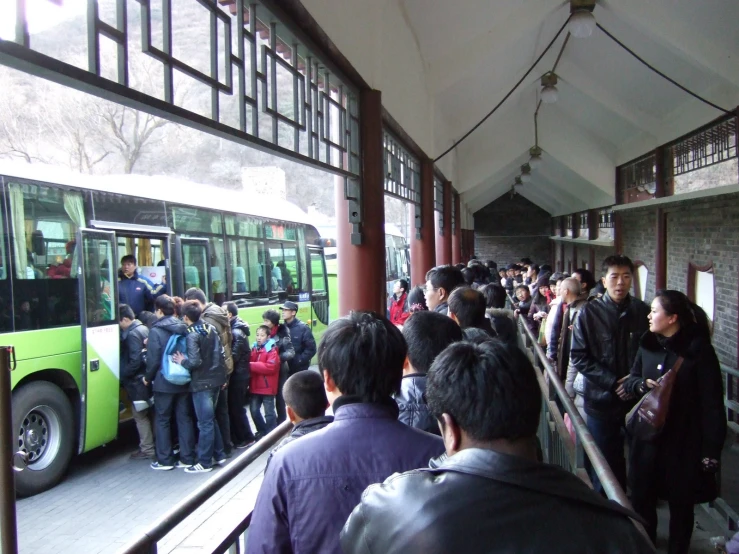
(107, 500)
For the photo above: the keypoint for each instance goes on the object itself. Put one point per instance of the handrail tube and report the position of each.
(146, 543)
(600, 465)
(730, 371)
(8, 528)
(233, 535)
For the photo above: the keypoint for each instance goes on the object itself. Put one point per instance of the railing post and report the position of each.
(8, 536)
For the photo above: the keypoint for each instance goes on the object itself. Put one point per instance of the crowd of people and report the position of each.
(431, 443)
(195, 422)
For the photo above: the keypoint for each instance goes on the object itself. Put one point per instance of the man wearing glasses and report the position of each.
(440, 282)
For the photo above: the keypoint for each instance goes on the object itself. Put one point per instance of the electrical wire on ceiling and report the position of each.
(499, 104)
(658, 72)
(614, 39)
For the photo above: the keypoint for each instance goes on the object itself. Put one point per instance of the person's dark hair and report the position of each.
(546, 268)
(617, 260)
(232, 308)
(690, 315)
(147, 318)
(524, 287)
(125, 311)
(192, 311)
(128, 258)
(554, 277)
(363, 353)
(526, 261)
(417, 300)
(494, 295)
(468, 305)
(178, 303)
(586, 278)
(403, 284)
(165, 304)
(272, 316)
(535, 268)
(195, 293)
(263, 328)
(445, 276)
(427, 334)
(491, 265)
(490, 390)
(468, 275)
(460, 266)
(305, 394)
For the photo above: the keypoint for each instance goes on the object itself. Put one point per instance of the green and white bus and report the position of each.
(61, 240)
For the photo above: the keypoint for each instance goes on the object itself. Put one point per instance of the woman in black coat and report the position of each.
(680, 464)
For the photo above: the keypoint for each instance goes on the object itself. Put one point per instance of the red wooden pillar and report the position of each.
(362, 266)
(457, 236)
(423, 250)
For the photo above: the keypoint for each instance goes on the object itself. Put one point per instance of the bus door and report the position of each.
(193, 263)
(97, 267)
(319, 290)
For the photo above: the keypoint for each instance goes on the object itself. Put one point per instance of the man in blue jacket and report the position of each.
(361, 358)
(134, 289)
(301, 336)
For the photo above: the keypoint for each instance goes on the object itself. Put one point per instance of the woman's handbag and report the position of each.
(646, 420)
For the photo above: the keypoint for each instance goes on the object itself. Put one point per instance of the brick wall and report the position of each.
(702, 232)
(507, 230)
(640, 242)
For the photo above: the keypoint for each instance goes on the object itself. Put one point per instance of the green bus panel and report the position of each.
(58, 348)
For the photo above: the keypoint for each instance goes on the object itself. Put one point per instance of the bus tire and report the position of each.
(43, 428)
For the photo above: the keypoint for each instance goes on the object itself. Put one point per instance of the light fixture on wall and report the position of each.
(582, 20)
(525, 173)
(549, 93)
(535, 159)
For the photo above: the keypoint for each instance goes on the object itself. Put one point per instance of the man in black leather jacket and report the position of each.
(605, 339)
(491, 495)
(427, 335)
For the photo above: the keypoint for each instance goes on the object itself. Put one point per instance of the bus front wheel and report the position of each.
(43, 428)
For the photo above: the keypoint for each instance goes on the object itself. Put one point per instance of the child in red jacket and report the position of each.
(265, 375)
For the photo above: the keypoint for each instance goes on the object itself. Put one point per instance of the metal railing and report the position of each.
(719, 510)
(558, 446)
(147, 543)
(730, 398)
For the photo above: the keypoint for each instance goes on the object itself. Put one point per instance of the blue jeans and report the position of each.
(609, 437)
(165, 404)
(210, 442)
(255, 402)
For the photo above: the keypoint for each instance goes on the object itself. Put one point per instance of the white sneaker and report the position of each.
(182, 465)
(197, 468)
(222, 462)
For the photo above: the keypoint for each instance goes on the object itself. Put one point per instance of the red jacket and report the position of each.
(264, 363)
(399, 309)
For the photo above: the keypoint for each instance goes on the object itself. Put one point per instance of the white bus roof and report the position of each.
(162, 187)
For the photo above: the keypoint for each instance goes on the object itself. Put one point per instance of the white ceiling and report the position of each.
(611, 108)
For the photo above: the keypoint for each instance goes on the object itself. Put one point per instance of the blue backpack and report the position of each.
(171, 371)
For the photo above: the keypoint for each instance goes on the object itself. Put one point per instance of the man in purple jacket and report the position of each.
(312, 484)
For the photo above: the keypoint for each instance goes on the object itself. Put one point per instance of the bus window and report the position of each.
(6, 312)
(217, 270)
(247, 267)
(43, 230)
